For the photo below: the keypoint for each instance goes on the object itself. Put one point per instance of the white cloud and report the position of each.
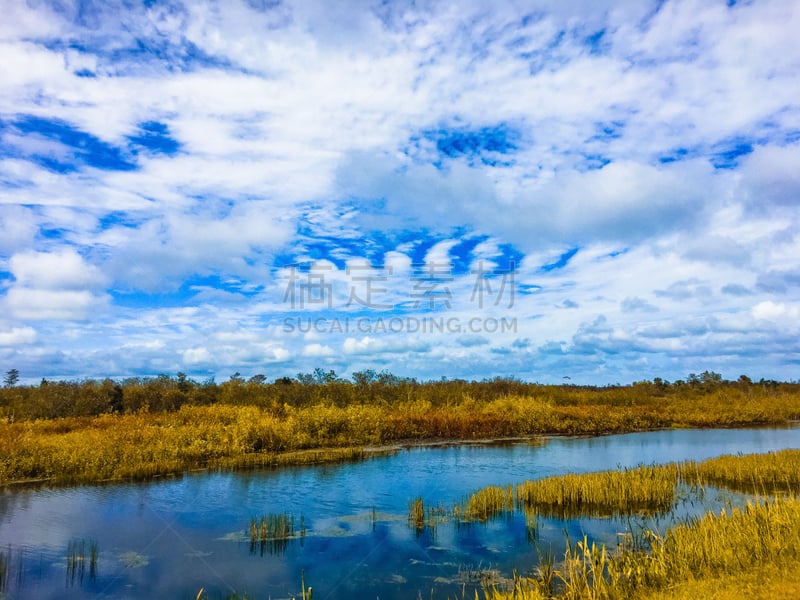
(18, 228)
(318, 350)
(17, 336)
(309, 131)
(40, 304)
(62, 270)
(197, 356)
(772, 311)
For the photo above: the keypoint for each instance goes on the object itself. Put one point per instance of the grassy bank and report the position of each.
(641, 490)
(752, 473)
(257, 431)
(722, 550)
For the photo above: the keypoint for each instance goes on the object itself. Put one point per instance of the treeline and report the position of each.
(165, 393)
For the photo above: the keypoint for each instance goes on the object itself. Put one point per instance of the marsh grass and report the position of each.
(487, 503)
(416, 514)
(252, 426)
(144, 445)
(774, 472)
(645, 489)
(733, 542)
(272, 532)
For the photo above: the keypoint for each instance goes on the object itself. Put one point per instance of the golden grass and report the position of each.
(640, 490)
(748, 552)
(487, 503)
(731, 547)
(643, 489)
(753, 473)
(144, 444)
(766, 582)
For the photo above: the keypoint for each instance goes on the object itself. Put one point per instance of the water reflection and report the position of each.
(173, 537)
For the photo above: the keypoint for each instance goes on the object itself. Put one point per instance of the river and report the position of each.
(172, 537)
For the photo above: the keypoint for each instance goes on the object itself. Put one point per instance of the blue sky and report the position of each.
(606, 191)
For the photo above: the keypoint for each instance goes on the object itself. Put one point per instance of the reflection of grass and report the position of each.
(76, 561)
(5, 560)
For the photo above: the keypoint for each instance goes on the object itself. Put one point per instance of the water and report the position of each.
(169, 539)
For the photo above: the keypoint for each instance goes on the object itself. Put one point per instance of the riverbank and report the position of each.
(144, 444)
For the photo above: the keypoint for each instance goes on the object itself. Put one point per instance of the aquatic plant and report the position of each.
(733, 542)
(272, 532)
(486, 503)
(641, 490)
(648, 489)
(644, 489)
(753, 473)
(416, 514)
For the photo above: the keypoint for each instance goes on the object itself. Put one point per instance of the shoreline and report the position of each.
(283, 459)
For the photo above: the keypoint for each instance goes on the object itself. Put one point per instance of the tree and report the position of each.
(365, 377)
(321, 377)
(11, 378)
(183, 381)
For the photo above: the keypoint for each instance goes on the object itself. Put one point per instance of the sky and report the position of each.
(585, 192)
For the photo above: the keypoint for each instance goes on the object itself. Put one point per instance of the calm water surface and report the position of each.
(170, 538)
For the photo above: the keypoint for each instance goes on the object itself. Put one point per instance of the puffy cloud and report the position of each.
(637, 162)
(771, 311)
(318, 350)
(40, 304)
(54, 285)
(17, 336)
(62, 270)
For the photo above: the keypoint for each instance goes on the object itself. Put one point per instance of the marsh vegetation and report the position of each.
(733, 542)
(92, 431)
(137, 429)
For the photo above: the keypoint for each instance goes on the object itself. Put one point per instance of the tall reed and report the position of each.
(273, 531)
(753, 473)
(642, 489)
(731, 542)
